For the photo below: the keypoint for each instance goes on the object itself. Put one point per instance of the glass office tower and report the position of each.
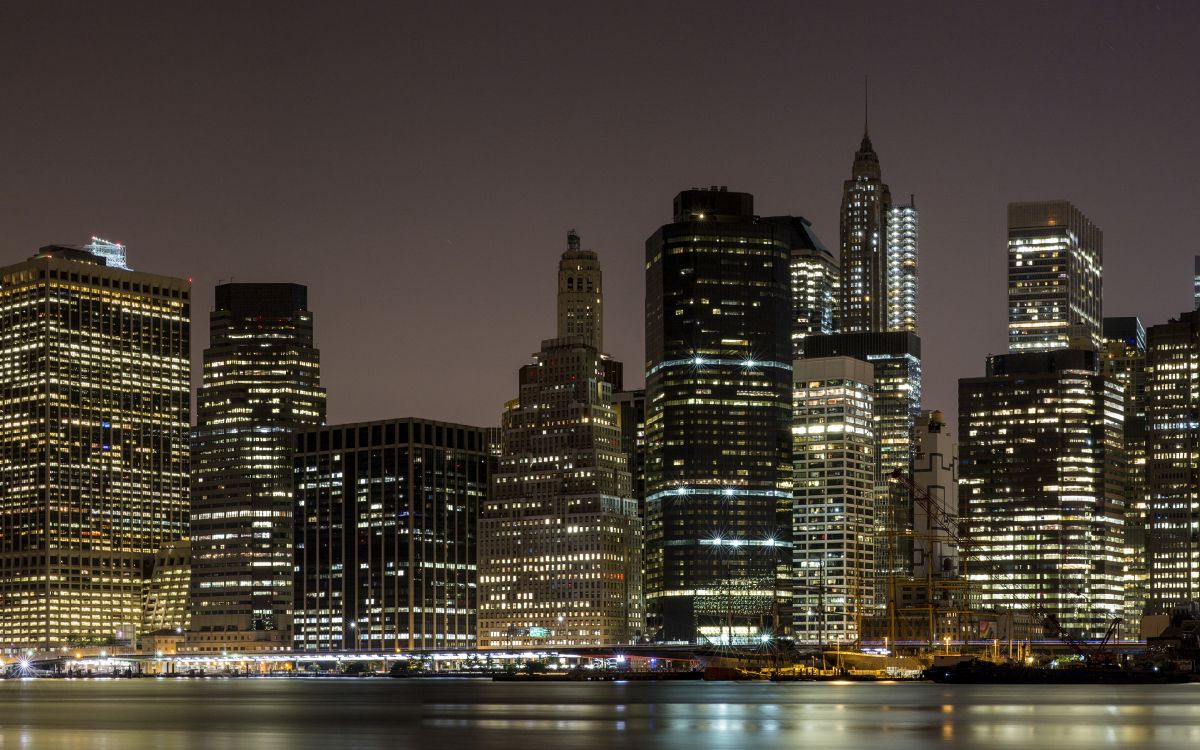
(718, 413)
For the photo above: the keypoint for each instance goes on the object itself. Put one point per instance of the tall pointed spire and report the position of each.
(866, 106)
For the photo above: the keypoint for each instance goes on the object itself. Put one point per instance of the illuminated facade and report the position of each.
(94, 414)
(1173, 462)
(261, 384)
(385, 523)
(866, 207)
(1054, 268)
(560, 535)
(896, 360)
(1124, 360)
(1042, 485)
(814, 281)
(718, 414)
(902, 268)
(833, 510)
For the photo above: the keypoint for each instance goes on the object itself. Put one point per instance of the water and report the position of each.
(266, 714)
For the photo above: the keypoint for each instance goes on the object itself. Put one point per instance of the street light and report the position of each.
(947, 641)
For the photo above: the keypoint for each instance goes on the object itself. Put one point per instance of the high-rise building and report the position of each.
(560, 536)
(935, 472)
(1042, 486)
(94, 415)
(385, 533)
(1173, 462)
(1124, 360)
(896, 359)
(1055, 255)
(718, 413)
(261, 384)
(865, 214)
(814, 278)
(902, 267)
(833, 512)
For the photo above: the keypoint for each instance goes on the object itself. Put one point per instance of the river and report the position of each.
(442, 714)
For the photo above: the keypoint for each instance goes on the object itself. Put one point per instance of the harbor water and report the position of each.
(451, 714)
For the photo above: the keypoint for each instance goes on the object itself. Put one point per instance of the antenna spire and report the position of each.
(866, 103)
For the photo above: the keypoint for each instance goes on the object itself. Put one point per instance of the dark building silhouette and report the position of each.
(385, 524)
(718, 412)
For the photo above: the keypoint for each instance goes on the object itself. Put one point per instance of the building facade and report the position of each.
(1124, 361)
(935, 473)
(718, 412)
(833, 510)
(815, 282)
(261, 384)
(1173, 462)
(385, 535)
(896, 360)
(902, 267)
(94, 418)
(1042, 486)
(560, 535)
(1055, 258)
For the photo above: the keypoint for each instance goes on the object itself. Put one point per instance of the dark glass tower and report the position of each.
(261, 384)
(385, 535)
(718, 411)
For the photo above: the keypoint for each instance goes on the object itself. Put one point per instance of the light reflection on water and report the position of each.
(451, 714)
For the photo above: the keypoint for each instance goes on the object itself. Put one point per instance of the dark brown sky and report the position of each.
(418, 166)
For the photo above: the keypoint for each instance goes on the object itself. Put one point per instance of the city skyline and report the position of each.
(396, 167)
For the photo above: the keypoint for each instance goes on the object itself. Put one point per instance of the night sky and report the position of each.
(418, 166)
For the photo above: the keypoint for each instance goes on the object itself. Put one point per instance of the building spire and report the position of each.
(866, 105)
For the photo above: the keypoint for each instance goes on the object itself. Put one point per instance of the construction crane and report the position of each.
(1098, 654)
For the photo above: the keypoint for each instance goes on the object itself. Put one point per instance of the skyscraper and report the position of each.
(262, 383)
(833, 512)
(385, 532)
(94, 415)
(896, 360)
(814, 280)
(865, 262)
(1173, 462)
(1055, 255)
(718, 411)
(1042, 486)
(560, 537)
(1124, 361)
(902, 268)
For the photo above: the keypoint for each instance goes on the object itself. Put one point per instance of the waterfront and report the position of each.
(266, 714)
